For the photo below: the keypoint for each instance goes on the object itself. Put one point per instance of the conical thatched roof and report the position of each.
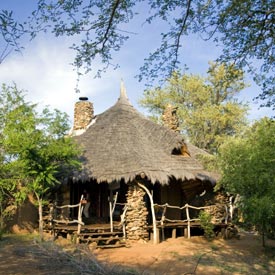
(121, 143)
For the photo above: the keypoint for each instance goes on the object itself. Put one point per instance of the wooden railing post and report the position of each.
(79, 218)
(54, 215)
(155, 237)
(51, 212)
(188, 221)
(162, 221)
(122, 218)
(112, 205)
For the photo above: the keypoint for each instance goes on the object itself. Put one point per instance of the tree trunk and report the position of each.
(40, 215)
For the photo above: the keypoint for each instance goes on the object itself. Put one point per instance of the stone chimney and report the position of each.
(83, 114)
(170, 118)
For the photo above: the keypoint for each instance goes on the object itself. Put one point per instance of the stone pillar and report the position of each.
(136, 215)
(83, 113)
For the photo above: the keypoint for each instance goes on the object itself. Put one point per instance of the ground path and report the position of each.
(197, 256)
(174, 256)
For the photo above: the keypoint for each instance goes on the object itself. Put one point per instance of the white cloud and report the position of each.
(44, 70)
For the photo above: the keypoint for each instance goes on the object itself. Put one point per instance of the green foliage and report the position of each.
(206, 107)
(245, 29)
(247, 165)
(207, 226)
(209, 161)
(35, 153)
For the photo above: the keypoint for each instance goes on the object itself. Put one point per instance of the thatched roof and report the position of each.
(121, 143)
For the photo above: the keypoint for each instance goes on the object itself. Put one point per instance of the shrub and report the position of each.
(207, 226)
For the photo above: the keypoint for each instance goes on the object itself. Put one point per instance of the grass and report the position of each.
(52, 257)
(17, 238)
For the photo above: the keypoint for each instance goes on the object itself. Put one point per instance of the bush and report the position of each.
(207, 226)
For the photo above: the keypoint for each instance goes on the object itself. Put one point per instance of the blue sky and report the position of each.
(43, 68)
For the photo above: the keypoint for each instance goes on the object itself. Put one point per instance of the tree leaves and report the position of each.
(247, 166)
(206, 107)
(33, 146)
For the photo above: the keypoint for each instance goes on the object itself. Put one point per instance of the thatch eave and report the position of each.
(162, 177)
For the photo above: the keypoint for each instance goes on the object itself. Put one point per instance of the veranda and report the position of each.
(113, 234)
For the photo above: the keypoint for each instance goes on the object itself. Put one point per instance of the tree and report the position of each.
(34, 148)
(206, 107)
(245, 30)
(247, 166)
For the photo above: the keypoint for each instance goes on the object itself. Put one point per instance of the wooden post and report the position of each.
(162, 221)
(158, 235)
(51, 213)
(54, 216)
(110, 210)
(185, 232)
(79, 218)
(188, 221)
(155, 237)
(122, 217)
(174, 233)
(112, 205)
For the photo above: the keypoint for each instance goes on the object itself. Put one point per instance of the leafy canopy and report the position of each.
(35, 152)
(206, 107)
(244, 29)
(247, 164)
(34, 145)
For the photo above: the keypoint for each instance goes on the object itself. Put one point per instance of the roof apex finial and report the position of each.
(123, 93)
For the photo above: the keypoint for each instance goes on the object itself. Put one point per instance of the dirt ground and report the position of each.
(22, 256)
(197, 256)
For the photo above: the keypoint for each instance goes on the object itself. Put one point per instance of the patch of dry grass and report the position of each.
(50, 258)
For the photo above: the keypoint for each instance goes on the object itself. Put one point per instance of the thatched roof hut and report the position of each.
(122, 144)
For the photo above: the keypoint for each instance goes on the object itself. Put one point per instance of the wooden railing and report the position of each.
(112, 206)
(163, 219)
(57, 217)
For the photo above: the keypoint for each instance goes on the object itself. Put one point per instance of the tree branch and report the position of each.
(177, 44)
(5, 53)
(106, 34)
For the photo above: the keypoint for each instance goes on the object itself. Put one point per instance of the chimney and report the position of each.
(83, 113)
(170, 118)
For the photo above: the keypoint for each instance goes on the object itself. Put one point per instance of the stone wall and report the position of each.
(136, 215)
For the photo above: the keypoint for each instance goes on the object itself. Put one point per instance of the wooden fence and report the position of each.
(56, 215)
(163, 220)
